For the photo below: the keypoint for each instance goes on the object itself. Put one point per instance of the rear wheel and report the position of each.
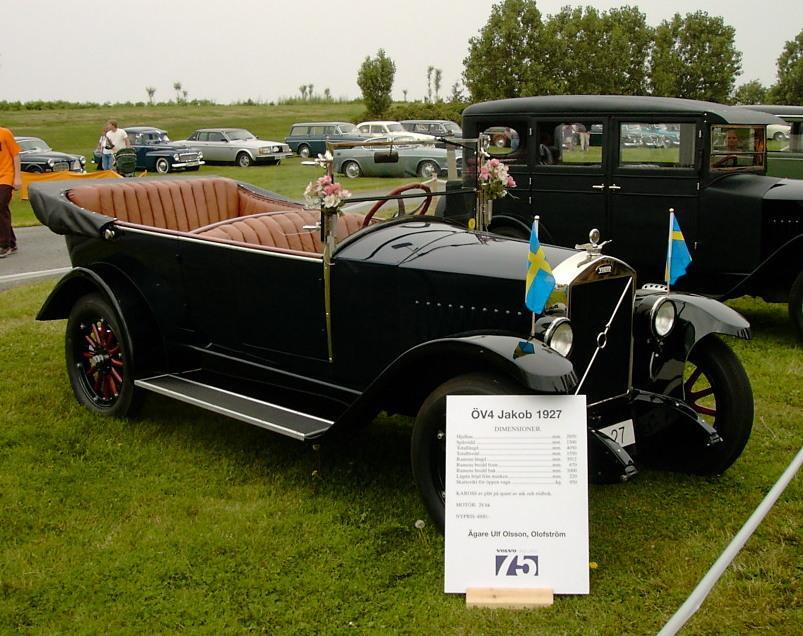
(99, 360)
(796, 304)
(303, 151)
(428, 169)
(352, 169)
(428, 442)
(243, 160)
(162, 165)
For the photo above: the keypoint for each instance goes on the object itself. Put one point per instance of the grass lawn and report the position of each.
(187, 520)
(78, 130)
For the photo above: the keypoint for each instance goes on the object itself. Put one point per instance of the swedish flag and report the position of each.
(677, 254)
(540, 281)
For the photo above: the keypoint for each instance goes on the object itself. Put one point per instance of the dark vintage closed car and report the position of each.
(37, 156)
(744, 229)
(217, 293)
(237, 146)
(309, 138)
(156, 153)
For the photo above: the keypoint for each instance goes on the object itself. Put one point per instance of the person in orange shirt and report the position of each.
(10, 180)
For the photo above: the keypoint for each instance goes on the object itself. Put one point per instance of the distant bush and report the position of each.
(427, 110)
(60, 104)
(315, 99)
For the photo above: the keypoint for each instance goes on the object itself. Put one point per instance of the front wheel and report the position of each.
(796, 304)
(428, 442)
(428, 169)
(162, 165)
(716, 386)
(99, 360)
(243, 160)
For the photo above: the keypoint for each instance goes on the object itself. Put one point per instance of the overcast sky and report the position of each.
(91, 50)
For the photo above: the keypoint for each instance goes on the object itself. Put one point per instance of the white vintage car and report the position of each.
(238, 146)
(390, 129)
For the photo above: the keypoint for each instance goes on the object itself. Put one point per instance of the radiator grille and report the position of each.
(591, 305)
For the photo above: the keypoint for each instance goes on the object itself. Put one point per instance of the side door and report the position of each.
(570, 156)
(317, 139)
(218, 147)
(264, 304)
(655, 167)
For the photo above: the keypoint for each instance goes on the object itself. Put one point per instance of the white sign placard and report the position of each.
(516, 493)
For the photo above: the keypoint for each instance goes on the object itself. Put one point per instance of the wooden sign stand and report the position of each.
(509, 598)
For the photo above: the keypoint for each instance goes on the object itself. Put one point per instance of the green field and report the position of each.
(182, 520)
(78, 130)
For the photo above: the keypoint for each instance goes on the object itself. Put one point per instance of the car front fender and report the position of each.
(404, 384)
(658, 363)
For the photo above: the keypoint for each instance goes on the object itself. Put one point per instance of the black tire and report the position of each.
(99, 358)
(352, 169)
(35, 169)
(796, 304)
(243, 160)
(303, 151)
(428, 442)
(716, 386)
(428, 169)
(162, 165)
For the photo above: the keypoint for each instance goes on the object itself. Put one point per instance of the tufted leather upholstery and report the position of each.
(284, 230)
(179, 205)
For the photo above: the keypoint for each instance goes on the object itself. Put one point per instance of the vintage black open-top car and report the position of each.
(217, 293)
(637, 158)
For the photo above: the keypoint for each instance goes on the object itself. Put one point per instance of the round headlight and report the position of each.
(175, 157)
(82, 159)
(662, 317)
(50, 162)
(560, 336)
(277, 149)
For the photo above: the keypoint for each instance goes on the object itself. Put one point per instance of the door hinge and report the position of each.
(530, 132)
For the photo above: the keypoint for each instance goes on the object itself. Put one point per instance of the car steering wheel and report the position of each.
(733, 160)
(410, 186)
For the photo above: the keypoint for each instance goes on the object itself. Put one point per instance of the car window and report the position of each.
(365, 128)
(216, 136)
(508, 140)
(33, 144)
(239, 134)
(652, 145)
(378, 128)
(299, 130)
(346, 128)
(200, 136)
(316, 131)
(452, 128)
(196, 136)
(395, 127)
(738, 148)
(421, 128)
(328, 130)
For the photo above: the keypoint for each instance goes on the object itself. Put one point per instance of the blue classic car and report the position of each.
(156, 153)
(399, 158)
(37, 156)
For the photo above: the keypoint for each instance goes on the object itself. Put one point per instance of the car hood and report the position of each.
(45, 155)
(435, 245)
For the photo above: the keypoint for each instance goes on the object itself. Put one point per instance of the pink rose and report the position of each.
(511, 183)
(494, 162)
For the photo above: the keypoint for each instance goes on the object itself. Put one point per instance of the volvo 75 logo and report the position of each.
(516, 565)
(604, 269)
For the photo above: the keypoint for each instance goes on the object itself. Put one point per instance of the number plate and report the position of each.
(622, 433)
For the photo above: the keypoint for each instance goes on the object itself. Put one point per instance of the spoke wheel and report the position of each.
(98, 358)
(428, 442)
(716, 386)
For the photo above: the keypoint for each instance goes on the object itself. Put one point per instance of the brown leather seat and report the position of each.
(179, 205)
(284, 230)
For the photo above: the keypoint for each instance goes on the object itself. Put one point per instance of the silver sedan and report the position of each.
(238, 146)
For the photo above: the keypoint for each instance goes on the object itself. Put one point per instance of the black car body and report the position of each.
(156, 153)
(744, 230)
(37, 156)
(216, 293)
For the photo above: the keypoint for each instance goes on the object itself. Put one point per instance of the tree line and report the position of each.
(581, 50)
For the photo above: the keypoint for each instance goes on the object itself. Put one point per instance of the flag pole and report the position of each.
(536, 218)
(669, 249)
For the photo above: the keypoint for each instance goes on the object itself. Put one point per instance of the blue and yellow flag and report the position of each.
(540, 281)
(677, 254)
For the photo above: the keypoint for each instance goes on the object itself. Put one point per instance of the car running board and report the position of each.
(273, 417)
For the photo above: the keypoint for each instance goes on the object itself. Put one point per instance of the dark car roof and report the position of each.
(789, 113)
(321, 123)
(622, 104)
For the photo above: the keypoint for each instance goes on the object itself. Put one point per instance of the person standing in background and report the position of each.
(118, 137)
(10, 180)
(105, 149)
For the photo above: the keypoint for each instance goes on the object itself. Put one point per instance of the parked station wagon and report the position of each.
(226, 296)
(744, 230)
(309, 138)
